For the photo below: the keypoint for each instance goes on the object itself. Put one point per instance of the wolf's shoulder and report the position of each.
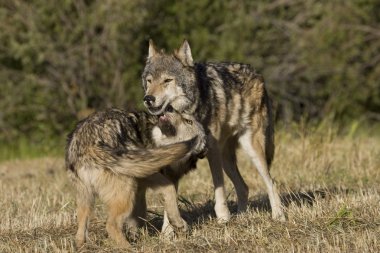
(227, 66)
(232, 74)
(226, 69)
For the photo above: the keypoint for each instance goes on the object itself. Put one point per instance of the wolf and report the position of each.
(231, 102)
(117, 154)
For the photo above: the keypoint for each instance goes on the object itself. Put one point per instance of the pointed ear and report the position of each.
(184, 54)
(152, 49)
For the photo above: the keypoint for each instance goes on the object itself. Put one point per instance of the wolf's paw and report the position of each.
(133, 233)
(222, 213)
(124, 244)
(119, 243)
(200, 148)
(202, 154)
(167, 231)
(242, 207)
(184, 227)
(79, 243)
(181, 226)
(278, 215)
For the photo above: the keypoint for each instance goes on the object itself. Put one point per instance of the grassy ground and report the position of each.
(329, 184)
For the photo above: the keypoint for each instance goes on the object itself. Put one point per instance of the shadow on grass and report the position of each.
(196, 214)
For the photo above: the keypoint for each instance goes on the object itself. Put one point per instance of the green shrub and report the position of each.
(60, 60)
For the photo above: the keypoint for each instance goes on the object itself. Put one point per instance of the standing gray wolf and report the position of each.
(231, 102)
(116, 155)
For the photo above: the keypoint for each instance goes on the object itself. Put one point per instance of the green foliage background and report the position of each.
(61, 59)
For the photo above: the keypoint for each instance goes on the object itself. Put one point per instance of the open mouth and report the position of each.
(164, 107)
(165, 122)
(164, 116)
(155, 110)
(158, 110)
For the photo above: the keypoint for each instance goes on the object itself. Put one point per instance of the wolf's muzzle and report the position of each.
(149, 99)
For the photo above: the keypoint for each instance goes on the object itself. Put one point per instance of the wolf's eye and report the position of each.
(168, 80)
(188, 121)
(149, 80)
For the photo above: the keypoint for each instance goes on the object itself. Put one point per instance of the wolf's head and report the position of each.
(174, 127)
(169, 79)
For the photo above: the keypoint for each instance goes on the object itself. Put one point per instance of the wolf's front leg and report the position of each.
(167, 229)
(172, 218)
(215, 161)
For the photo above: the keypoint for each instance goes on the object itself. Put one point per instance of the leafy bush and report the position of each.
(60, 60)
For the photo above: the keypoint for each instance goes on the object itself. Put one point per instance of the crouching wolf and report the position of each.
(116, 155)
(231, 102)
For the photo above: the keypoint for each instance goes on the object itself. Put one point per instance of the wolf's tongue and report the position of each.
(163, 117)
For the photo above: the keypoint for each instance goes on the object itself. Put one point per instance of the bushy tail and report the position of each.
(145, 162)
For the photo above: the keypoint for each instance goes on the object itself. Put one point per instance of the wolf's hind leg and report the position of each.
(254, 146)
(85, 203)
(138, 215)
(232, 171)
(120, 201)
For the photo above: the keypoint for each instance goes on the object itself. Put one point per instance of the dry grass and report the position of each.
(329, 184)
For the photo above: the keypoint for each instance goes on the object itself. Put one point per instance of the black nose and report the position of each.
(149, 99)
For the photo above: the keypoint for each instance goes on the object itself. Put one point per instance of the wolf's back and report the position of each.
(99, 140)
(138, 163)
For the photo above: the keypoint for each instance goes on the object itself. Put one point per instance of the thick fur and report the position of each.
(117, 155)
(231, 102)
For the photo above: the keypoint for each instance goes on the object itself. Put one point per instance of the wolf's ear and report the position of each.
(152, 49)
(184, 54)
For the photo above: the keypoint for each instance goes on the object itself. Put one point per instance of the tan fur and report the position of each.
(116, 156)
(141, 164)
